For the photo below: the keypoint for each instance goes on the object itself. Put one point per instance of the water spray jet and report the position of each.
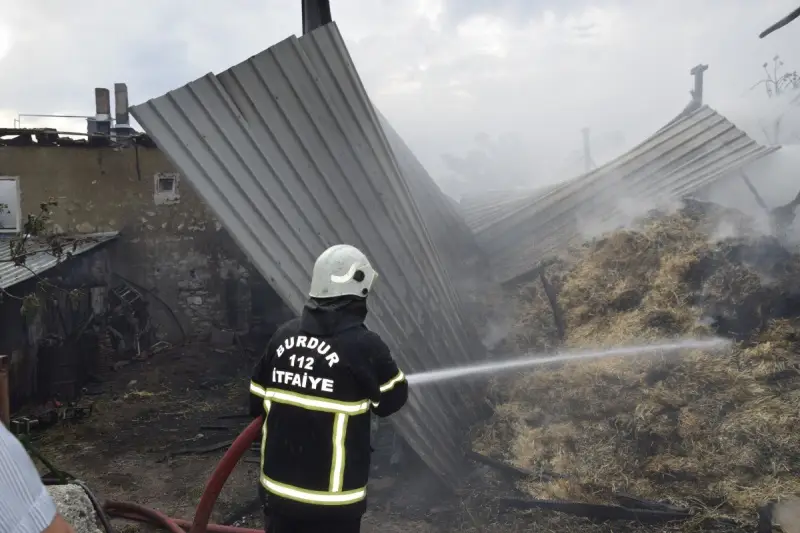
(530, 360)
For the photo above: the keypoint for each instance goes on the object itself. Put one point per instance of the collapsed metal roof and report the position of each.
(288, 151)
(481, 209)
(688, 154)
(39, 257)
(449, 232)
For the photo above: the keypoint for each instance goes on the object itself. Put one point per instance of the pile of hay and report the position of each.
(719, 431)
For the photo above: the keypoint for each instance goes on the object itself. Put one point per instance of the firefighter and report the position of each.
(321, 377)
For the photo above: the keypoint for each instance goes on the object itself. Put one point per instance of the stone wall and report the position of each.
(170, 242)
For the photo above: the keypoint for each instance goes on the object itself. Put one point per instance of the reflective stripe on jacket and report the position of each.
(317, 394)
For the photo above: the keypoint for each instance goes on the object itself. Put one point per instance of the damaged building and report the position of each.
(171, 251)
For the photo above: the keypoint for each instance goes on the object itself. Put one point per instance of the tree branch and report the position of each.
(34, 239)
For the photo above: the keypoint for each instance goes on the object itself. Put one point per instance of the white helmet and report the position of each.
(342, 270)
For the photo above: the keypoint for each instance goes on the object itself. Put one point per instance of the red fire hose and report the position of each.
(139, 513)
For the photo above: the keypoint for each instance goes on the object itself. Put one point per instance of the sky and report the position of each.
(517, 78)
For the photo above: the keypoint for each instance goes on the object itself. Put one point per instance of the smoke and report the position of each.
(726, 229)
(767, 120)
(509, 161)
(627, 212)
(501, 163)
(775, 177)
(496, 333)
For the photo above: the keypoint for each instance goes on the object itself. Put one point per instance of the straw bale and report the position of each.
(714, 431)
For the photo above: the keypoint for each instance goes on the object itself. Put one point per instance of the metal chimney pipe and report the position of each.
(697, 72)
(121, 103)
(316, 13)
(102, 103)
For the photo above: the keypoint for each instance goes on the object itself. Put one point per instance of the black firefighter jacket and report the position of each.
(320, 378)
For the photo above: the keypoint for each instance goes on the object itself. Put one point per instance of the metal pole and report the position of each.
(18, 120)
(781, 23)
(5, 396)
(53, 115)
(587, 151)
(316, 13)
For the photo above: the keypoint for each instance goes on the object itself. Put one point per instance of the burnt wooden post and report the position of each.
(760, 201)
(5, 395)
(558, 316)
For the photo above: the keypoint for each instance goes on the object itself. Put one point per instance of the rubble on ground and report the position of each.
(716, 432)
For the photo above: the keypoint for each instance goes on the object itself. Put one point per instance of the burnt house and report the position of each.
(171, 249)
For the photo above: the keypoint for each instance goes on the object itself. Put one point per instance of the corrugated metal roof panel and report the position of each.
(481, 210)
(288, 151)
(464, 261)
(39, 258)
(449, 232)
(683, 157)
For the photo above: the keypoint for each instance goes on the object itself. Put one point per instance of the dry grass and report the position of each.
(715, 431)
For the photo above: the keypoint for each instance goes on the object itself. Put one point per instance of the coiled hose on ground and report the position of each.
(202, 515)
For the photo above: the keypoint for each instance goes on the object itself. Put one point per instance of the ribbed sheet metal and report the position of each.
(482, 209)
(39, 258)
(683, 157)
(449, 232)
(289, 153)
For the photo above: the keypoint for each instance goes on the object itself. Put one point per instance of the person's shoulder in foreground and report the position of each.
(25, 503)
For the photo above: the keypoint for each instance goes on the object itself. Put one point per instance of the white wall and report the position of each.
(9, 195)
